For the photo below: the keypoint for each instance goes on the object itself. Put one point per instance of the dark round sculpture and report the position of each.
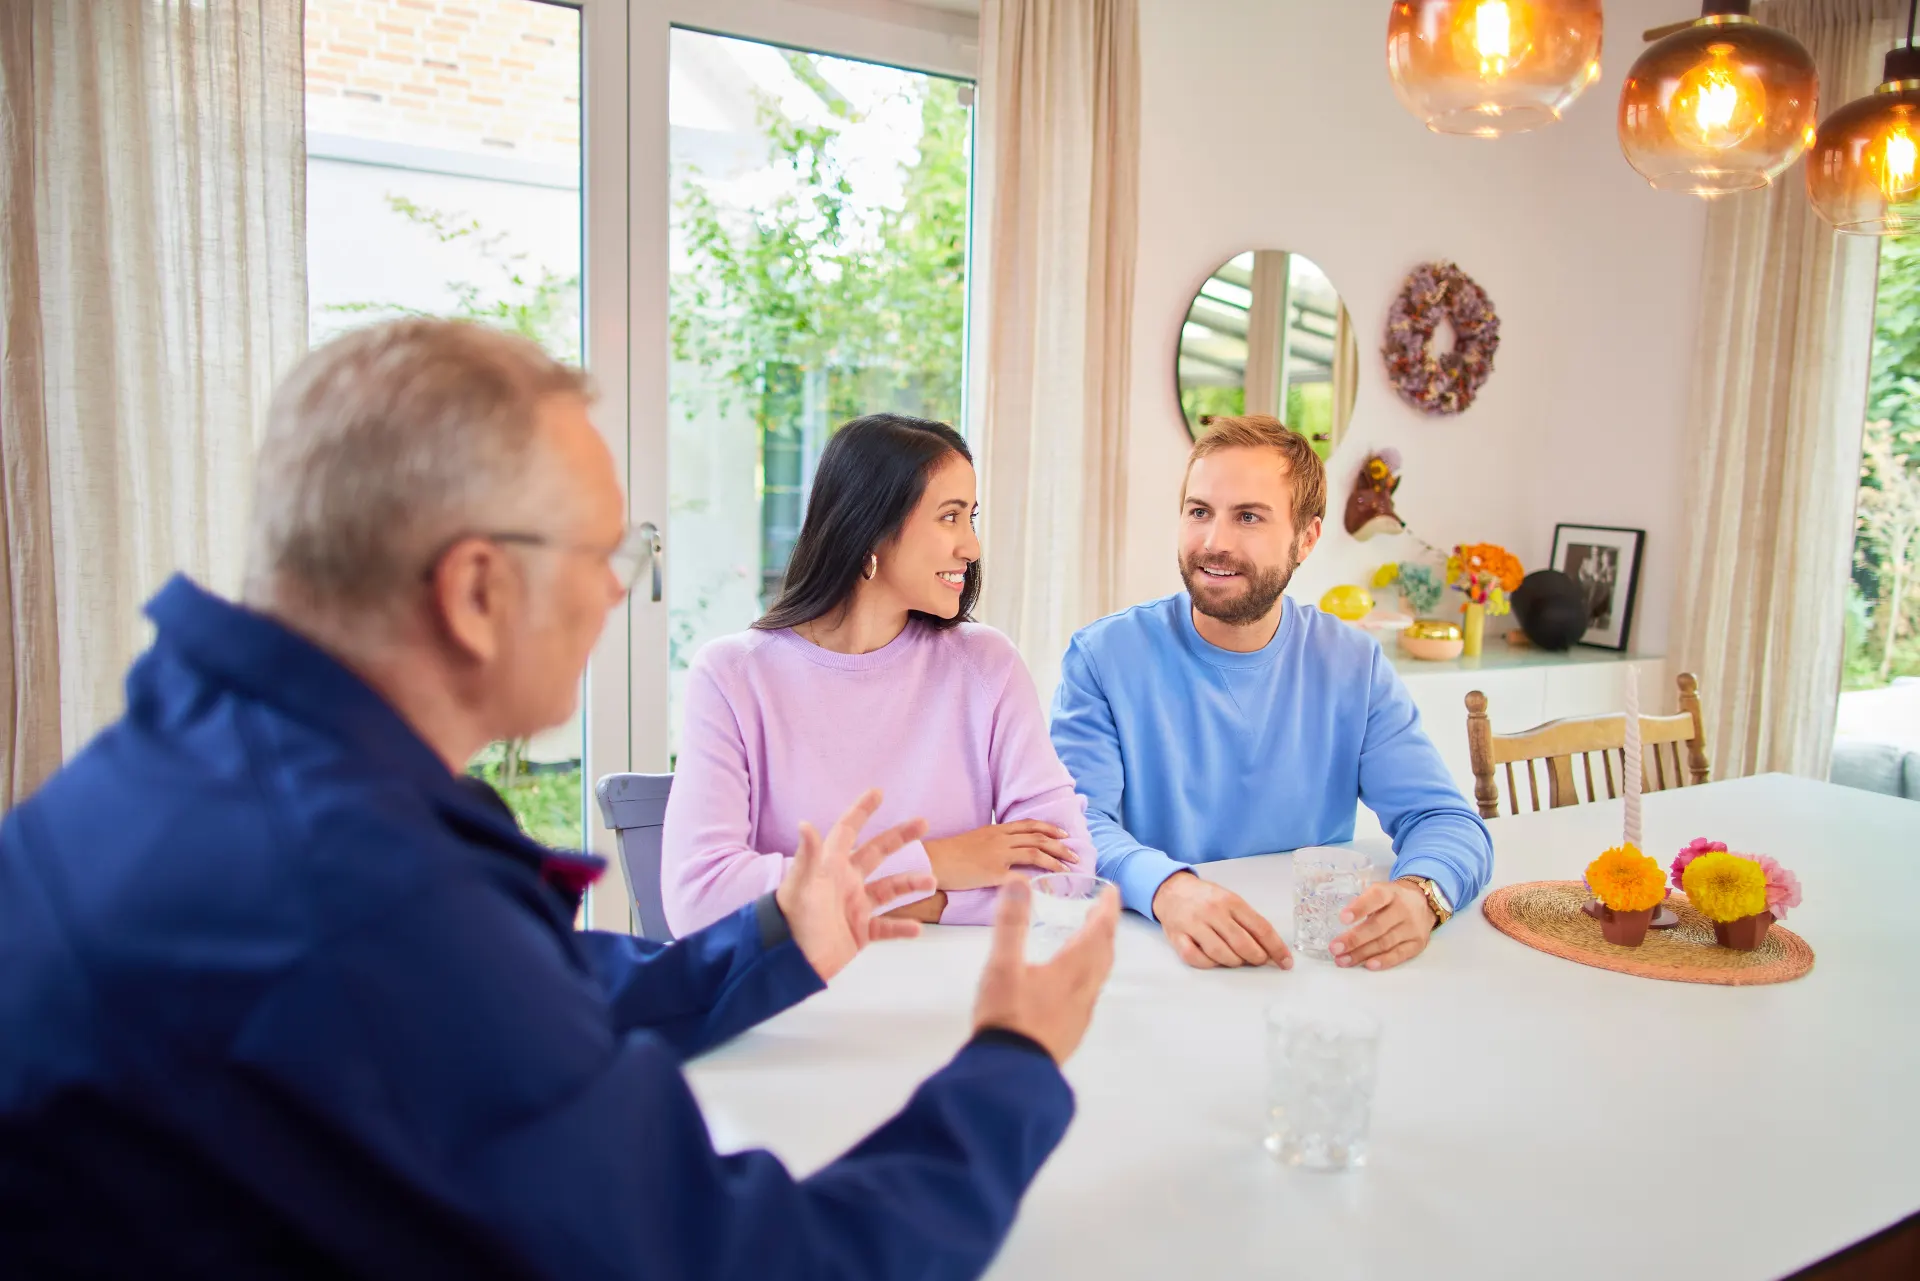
(1550, 608)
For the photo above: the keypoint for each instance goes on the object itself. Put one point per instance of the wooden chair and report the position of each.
(1558, 742)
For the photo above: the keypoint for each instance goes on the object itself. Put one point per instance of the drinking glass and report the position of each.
(1061, 903)
(1321, 1065)
(1325, 880)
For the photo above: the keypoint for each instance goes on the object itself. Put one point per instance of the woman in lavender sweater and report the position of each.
(867, 673)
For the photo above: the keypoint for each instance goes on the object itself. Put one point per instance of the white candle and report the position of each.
(1634, 760)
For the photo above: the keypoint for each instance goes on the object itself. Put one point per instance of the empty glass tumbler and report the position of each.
(1321, 1065)
(1062, 901)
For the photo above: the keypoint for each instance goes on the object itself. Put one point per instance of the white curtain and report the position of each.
(1786, 334)
(1060, 129)
(154, 276)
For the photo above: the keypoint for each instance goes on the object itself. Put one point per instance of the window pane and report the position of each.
(819, 242)
(443, 178)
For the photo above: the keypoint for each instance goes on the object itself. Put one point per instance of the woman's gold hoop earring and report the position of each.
(873, 567)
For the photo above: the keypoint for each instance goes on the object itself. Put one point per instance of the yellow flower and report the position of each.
(1386, 575)
(1726, 887)
(1453, 568)
(1377, 469)
(1628, 881)
(1496, 601)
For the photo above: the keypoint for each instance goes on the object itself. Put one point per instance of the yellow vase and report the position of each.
(1475, 631)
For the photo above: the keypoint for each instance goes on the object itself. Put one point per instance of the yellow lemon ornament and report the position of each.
(1348, 602)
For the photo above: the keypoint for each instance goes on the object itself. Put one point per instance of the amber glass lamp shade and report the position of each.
(1724, 105)
(1492, 67)
(1863, 173)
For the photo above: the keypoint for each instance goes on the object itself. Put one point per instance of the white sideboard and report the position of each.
(1525, 687)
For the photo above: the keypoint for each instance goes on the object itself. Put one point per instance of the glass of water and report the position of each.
(1062, 901)
(1325, 880)
(1321, 1064)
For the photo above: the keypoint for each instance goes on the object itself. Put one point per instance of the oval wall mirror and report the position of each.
(1268, 334)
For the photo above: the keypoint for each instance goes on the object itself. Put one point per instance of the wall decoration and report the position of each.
(1448, 382)
(1267, 333)
(1370, 505)
(1604, 561)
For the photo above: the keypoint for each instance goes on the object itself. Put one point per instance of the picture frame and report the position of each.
(1604, 560)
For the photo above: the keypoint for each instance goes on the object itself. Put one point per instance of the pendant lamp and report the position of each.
(1492, 67)
(1718, 105)
(1863, 174)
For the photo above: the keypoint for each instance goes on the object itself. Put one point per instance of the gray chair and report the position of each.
(634, 808)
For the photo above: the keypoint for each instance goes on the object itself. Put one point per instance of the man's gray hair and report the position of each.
(388, 443)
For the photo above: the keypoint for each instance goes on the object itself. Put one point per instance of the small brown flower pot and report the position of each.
(1627, 929)
(1743, 935)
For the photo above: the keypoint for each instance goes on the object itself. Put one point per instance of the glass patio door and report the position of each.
(775, 213)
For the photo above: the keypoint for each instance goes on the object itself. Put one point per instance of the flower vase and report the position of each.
(1625, 929)
(1745, 934)
(1475, 630)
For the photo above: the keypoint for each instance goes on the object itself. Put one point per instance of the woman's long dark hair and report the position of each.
(872, 475)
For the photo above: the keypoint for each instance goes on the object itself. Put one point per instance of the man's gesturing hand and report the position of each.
(1210, 926)
(1051, 1003)
(826, 898)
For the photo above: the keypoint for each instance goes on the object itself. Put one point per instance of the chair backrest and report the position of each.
(634, 807)
(1556, 743)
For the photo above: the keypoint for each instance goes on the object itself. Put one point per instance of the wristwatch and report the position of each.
(1436, 899)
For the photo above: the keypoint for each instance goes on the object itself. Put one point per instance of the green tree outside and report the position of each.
(1883, 619)
(545, 307)
(819, 302)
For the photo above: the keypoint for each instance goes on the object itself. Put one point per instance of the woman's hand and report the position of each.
(983, 857)
(926, 911)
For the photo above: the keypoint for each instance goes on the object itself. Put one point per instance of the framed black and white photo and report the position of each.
(1605, 563)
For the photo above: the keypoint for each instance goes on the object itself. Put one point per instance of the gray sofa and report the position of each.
(1876, 767)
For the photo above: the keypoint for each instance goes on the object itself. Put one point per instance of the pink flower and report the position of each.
(1701, 845)
(1783, 887)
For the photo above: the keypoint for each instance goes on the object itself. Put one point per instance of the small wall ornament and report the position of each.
(1370, 505)
(1446, 383)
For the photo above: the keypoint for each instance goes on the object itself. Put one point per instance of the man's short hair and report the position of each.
(388, 443)
(1305, 472)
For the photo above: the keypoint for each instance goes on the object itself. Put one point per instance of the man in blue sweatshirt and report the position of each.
(1227, 720)
(283, 993)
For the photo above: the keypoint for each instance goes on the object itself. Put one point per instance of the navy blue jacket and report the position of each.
(282, 996)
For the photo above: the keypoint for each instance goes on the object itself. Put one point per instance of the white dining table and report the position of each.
(1534, 1117)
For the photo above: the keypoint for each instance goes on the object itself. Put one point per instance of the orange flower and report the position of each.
(1494, 561)
(1626, 880)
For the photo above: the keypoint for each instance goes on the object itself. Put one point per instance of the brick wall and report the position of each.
(497, 77)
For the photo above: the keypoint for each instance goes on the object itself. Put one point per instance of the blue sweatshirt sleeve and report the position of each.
(1404, 781)
(477, 1097)
(1088, 743)
(705, 988)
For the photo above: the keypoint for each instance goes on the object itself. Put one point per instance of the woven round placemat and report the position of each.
(1546, 915)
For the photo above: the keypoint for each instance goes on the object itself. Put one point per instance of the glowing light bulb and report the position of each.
(1717, 105)
(1493, 36)
(1898, 169)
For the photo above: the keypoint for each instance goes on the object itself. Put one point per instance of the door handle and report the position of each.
(651, 532)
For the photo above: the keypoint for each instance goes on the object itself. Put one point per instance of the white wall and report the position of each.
(1274, 125)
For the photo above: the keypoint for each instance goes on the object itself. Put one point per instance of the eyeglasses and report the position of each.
(638, 546)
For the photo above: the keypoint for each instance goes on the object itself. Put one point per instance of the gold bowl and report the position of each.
(1433, 640)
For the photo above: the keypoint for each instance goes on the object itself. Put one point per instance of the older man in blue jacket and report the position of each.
(283, 993)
